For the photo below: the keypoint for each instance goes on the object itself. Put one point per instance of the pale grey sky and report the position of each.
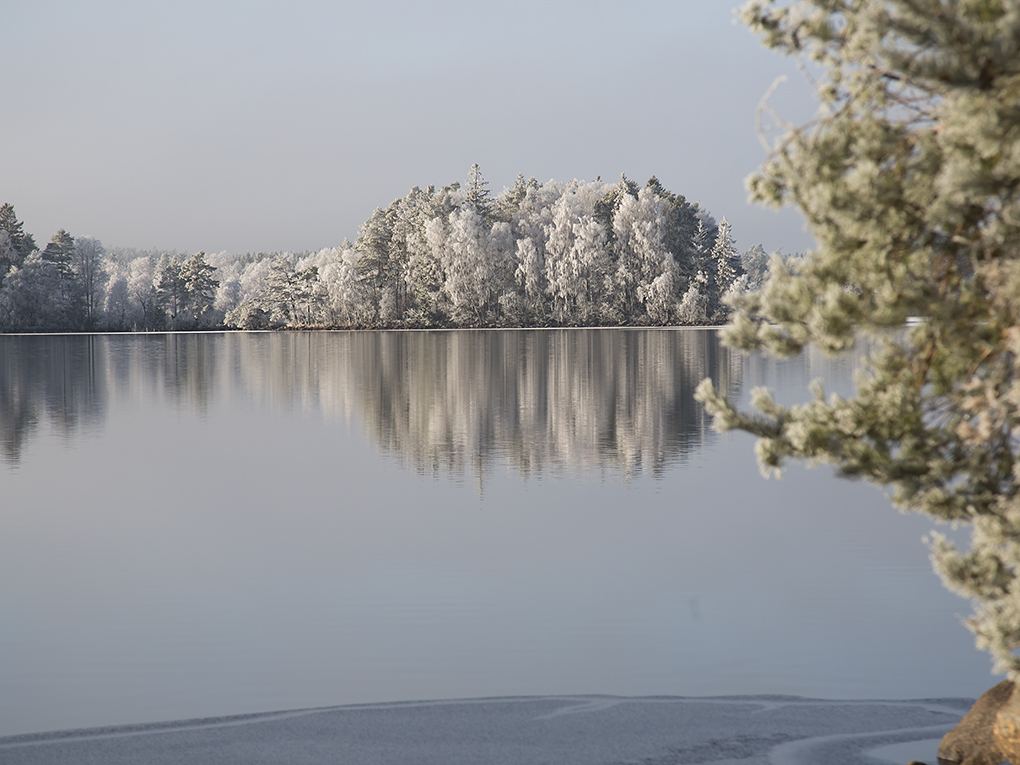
(262, 125)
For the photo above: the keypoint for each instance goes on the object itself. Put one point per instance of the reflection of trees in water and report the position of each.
(542, 401)
(164, 368)
(53, 379)
(69, 380)
(791, 379)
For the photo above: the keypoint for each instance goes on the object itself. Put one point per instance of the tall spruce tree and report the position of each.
(681, 229)
(199, 288)
(478, 193)
(910, 183)
(726, 267)
(171, 296)
(21, 244)
(60, 252)
(375, 263)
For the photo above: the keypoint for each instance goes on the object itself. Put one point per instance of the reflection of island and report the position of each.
(542, 401)
(449, 402)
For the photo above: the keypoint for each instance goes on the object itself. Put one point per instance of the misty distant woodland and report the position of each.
(553, 254)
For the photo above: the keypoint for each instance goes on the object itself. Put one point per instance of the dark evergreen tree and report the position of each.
(680, 230)
(170, 292)
(60, 252)
(407, 217)
(199, 288)
(279, 295)
(21, 244)
(70, 305)
(307, 296)
(373, 246)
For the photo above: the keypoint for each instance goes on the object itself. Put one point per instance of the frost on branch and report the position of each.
(909, 180)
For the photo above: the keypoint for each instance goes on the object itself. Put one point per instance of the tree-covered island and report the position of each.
(535, 255)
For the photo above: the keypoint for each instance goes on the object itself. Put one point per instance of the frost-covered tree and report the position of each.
(375, 261)
(416, 284)
(31, 298)
(468, 266)
(755, 263)
(247, 315)
(90, 273)
(577, 257)
(350, 298)
(530, 276)
(704, 236)
(686, 230)
(642, 258)
(659, 296)
(591, 265)
(279, 295)
(142, 281)
(508, 203)
(199, 290)
(693, 307)
(171, 296)
(563, 272)
(478, 193)
(532, 219)
(422, 270)
(607, 207)
(254, 276)
(228, 296)
(725, 260)
(910, 182)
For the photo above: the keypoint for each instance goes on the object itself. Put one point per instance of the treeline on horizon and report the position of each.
(536, 255)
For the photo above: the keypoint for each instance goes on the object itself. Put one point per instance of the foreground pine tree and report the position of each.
(910, 182)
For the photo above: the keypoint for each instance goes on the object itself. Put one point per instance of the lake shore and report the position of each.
(569, 730)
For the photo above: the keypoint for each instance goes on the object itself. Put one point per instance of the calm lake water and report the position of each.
(206, 524)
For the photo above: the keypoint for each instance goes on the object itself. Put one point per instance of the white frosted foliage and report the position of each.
(908, 183)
